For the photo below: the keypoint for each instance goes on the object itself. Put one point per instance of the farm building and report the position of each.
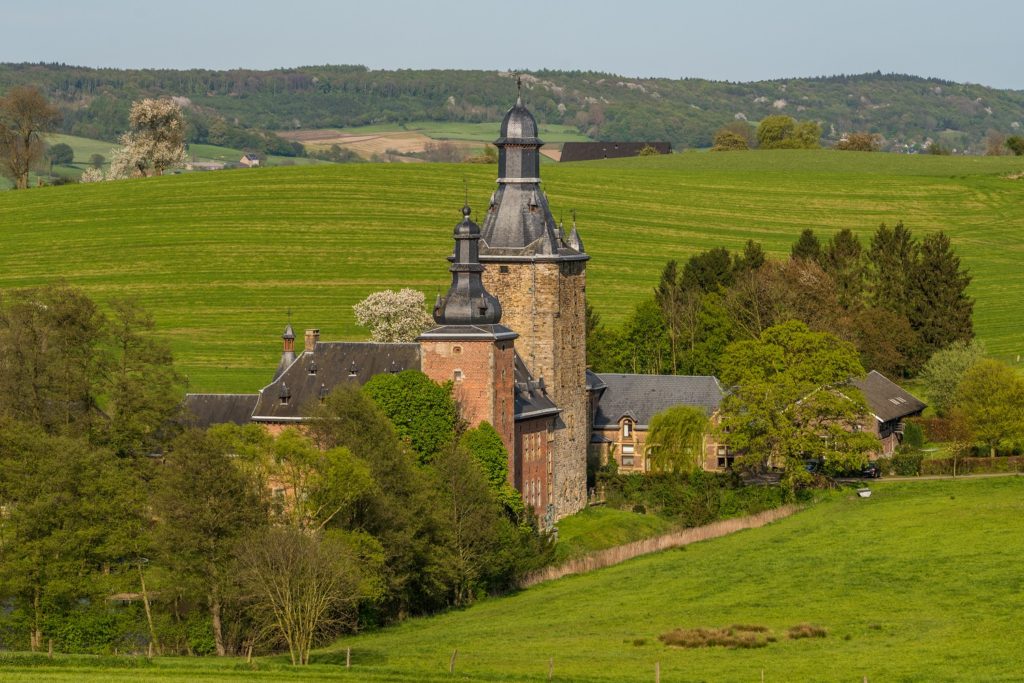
(590, 151)
(890, 406)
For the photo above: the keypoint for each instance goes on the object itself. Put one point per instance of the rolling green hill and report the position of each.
(920, 582)
(220, 258)
(907, 110)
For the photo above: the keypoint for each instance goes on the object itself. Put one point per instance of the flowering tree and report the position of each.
(91, 175)
(155, 142)
(393, 316)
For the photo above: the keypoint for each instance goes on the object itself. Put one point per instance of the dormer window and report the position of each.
(285, 395)
(312, 367)
(627, 429)
(323, 392)
(353, 370)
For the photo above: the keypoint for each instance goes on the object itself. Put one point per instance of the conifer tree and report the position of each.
(940, 310)
(843, 259)
(807, 246)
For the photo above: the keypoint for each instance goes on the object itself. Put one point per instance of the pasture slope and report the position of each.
(220, 258)
(920, 582)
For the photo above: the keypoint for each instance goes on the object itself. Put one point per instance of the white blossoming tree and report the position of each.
(393, 316)
(91, 175)
(155, 143)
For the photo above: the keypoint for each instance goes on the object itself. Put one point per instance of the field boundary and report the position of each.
(608, 557)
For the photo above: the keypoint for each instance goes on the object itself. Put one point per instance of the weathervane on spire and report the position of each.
(519, 87)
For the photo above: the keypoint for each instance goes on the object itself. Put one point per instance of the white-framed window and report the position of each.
(457, 375)
(627, 429)
(627, 460)
(628, 449)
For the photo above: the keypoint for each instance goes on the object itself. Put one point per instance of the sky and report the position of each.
(735, 40)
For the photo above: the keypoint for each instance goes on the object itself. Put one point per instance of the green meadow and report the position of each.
(920, 582)
(459, 130)
(220, 258)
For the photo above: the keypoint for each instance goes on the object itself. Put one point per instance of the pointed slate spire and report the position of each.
(467, 302)
(574, 240)
(288, 348)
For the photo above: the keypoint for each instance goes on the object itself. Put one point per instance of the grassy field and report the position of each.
(920, 582)
(220, 258)
(457, 130)
(597, 528)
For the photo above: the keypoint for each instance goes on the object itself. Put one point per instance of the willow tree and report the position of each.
(675, 440)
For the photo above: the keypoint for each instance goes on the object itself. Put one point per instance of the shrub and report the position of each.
(734, 637)
(860, 142)
(907, 463)
(806, 631)
(913, 435)
(62, 154)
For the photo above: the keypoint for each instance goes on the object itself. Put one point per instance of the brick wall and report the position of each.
(483, 373)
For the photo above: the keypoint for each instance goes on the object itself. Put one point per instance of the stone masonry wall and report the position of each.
(545, 303)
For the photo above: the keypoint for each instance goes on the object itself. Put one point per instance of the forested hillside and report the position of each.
(226, 106)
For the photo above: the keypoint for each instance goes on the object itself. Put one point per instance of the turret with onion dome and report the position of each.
(467, 301)
(519, 222)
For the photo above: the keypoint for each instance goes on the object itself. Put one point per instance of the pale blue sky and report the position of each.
(977, 41)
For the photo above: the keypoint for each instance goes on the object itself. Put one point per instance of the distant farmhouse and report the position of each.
(589, 151)
(249, 161)
(510, 336)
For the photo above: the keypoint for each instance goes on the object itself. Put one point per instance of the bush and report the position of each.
(973, 465)
(62, 154)
(907, 463)
(913, 436)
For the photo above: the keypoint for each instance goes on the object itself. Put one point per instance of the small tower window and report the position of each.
(502, 269)
(456, 349)
(458, 375)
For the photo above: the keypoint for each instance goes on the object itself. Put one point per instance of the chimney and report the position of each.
(312, 337)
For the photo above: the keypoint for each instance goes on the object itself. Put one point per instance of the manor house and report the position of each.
(509, 334)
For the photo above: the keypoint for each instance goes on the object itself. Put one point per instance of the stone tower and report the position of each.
(539, 275)
(469, 346)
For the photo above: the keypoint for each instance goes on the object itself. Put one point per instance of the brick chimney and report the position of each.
(312, 337)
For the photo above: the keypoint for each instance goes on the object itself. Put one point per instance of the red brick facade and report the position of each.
(483, 376)
(532, 470)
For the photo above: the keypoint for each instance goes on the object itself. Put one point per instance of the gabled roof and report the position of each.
(206, 410)
(887, 400)
(329, 364)
(589, 151)
(641, 397)
(531, 399)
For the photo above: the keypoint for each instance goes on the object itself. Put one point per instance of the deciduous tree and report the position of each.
(944, 370)
(675, 439)
(422, 411)
(156, 141)
(792, 402)
(990, 397)
(393, 316)
(25, 115)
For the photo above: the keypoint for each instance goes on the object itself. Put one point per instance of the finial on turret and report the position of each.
(519, 89)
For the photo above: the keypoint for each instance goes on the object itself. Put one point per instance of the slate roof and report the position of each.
(887, 400)
(531, 400)
(327, 366)
(641, 397)
(206, 410)
(589, 151)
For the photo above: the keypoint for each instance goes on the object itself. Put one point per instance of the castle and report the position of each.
(510, 335)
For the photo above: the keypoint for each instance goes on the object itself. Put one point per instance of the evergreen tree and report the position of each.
(940, 310)
(671, 297)
(891, 259)
(708, 271)
(807, 246)
(843, 259)
(752, 258)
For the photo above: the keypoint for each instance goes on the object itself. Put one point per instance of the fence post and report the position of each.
(451, 662)
(348, 657)
(657, 672)
(551, 668)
